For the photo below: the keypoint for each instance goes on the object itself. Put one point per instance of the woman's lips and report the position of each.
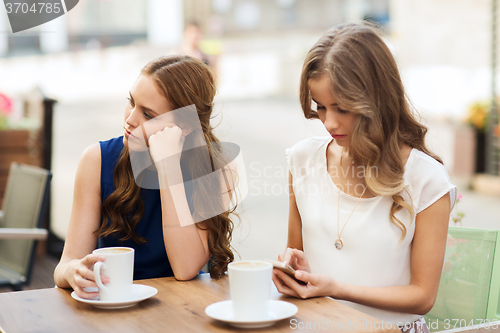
(337, 136)
(129, 135)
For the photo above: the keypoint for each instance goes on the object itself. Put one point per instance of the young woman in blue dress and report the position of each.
(370, 203)
(110, 209)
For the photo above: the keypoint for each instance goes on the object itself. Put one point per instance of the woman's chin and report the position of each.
(134, 144)
(342, 143)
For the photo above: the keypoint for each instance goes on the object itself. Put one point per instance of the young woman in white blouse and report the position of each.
(370, 204)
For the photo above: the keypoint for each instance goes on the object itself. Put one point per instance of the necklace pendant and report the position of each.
(339, 244)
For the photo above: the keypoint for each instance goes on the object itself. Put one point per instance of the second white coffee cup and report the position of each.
(250, 287)
(119, 267)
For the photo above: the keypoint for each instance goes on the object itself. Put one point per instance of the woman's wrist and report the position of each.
(170, 172)
(61, 274)
(337, 289)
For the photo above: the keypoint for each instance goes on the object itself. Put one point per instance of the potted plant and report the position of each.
(477, 117)
(19, 138)
(5, 110)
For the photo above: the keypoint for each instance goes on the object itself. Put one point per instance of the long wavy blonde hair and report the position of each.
(184, 81)
(365, 80)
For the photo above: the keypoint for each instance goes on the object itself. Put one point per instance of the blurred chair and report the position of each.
(469, 289)
(24, 206)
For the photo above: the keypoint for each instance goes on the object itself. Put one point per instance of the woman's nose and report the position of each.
(133, 118)
(331, 122)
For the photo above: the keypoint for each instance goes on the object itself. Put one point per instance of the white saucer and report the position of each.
(278, 310)
(140, 292)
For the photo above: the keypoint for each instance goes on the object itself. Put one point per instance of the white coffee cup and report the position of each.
(119, 267)
(250, 287)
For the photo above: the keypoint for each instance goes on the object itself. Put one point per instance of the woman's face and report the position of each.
(338, 122)
(145, 103)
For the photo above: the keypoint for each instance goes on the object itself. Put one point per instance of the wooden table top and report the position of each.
(179, 306)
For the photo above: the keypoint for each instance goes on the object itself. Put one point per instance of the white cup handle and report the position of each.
(97, 275)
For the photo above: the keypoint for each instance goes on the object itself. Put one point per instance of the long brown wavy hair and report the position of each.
(184, 81)
(365, 80)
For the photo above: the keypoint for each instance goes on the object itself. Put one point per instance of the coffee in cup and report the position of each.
(250, 287)
(119, 267)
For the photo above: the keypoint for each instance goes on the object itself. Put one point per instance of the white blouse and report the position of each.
(373, 254)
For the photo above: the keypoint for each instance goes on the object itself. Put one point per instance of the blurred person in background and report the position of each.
(191, 45)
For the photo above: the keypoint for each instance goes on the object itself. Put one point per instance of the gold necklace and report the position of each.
(339, 244)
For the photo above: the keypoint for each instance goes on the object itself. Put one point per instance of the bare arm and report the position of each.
(428, 249)
(294, 220)
(73, 269)
(293, 254)
(185, 243)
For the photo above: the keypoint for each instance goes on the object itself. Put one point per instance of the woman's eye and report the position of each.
(320, 108)
(146, 115)
(343, 111)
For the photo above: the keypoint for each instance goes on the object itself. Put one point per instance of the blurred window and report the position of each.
(108, 16)
(102, 23)
(274, 15)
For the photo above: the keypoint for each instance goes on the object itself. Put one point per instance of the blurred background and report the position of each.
(65, 83)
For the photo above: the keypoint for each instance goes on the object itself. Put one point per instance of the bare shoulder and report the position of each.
(92, 152)
(91, 156)
(89, 167)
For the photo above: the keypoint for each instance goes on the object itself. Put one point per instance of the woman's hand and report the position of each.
(80, 275)
(314, 284)
(165, 143)
(296, 259)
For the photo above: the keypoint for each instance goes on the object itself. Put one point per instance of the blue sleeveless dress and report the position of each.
(151, 259)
